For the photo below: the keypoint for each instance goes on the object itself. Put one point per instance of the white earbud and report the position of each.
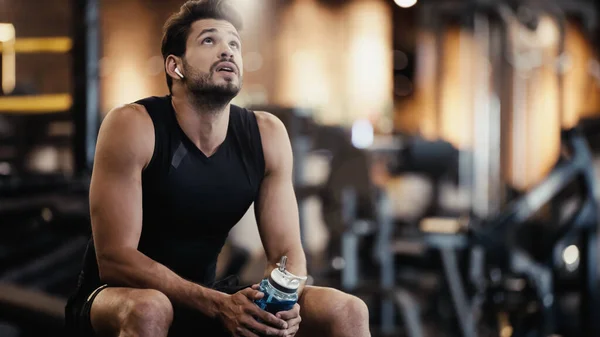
(178, 72)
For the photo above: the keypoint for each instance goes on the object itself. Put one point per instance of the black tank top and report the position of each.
(191, 201)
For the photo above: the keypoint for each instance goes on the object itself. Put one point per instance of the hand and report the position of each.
(292, 317)
(239, 315)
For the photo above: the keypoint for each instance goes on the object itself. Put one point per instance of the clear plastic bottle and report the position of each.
(280, 289)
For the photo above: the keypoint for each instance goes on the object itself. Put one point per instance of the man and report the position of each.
(172, 175)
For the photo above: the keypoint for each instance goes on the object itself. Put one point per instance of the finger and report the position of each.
(293, 326)
(255, 286)
(241, 331)
(267, 317)
(291, 332)
(262, 329)
(252, 294)
(294, 323)
(292, 313)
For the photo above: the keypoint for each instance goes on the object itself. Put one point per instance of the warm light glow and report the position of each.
(339, 87)
(547, 31)
(35, 104)
(452, 119)
(580, 89)
(424, 108)
(459, 86)
(44, 159)
(7, 32)
(311, 66)
(128, 82)
(466, 82)
(10, 46)
(311, 73)
(405, 3)
(128, 66)
(7, 43)
(441, 225)
(42, 45)
(249, 9)
(506, 330)
(535, 121)
(370, 81)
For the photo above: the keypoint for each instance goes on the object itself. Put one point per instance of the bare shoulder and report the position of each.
(129, 117)
(127, 130)
(275, 140)
(269, 124)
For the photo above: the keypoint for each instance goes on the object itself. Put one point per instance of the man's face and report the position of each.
(212, 63)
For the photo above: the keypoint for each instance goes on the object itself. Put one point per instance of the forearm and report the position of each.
(131, 268)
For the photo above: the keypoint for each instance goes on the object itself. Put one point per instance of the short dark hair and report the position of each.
(177, 28)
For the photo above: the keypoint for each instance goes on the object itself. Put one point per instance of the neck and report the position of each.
(204, 124)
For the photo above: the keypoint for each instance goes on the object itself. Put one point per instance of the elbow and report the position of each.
(104, 269)
(108, 267)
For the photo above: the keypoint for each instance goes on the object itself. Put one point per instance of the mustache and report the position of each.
(214, 66)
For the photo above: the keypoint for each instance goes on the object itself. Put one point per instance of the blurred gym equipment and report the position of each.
(533, 264)
(348, 171)
(43, 205)
(516, 262)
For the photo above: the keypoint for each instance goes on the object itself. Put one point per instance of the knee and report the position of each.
(355, 310)
(148, 312)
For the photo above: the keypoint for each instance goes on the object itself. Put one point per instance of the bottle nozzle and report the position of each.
(282, 263)
(284, 278)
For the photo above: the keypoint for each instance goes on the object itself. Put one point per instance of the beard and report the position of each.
(205, 93)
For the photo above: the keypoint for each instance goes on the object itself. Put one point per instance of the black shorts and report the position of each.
(186, 322)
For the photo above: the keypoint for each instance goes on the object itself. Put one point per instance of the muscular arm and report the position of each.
(277, 208)
(125, 146)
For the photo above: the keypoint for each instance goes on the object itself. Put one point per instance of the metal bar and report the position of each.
(301, 146)
(481, 120)
(465, 156)
(349, 244)
(350, 254)
(495, 105)
(410, 311)
(541, 277)
(590, 248)
(9, 67)
(16, 300)
(385, 255)
(589, 305)
(86, 82)
(464, 314)
(438, 29)
(526, 206)
(65, 252)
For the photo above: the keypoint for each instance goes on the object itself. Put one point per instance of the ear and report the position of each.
(172, 63)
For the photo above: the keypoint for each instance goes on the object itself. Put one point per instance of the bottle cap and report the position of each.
(283, 280)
